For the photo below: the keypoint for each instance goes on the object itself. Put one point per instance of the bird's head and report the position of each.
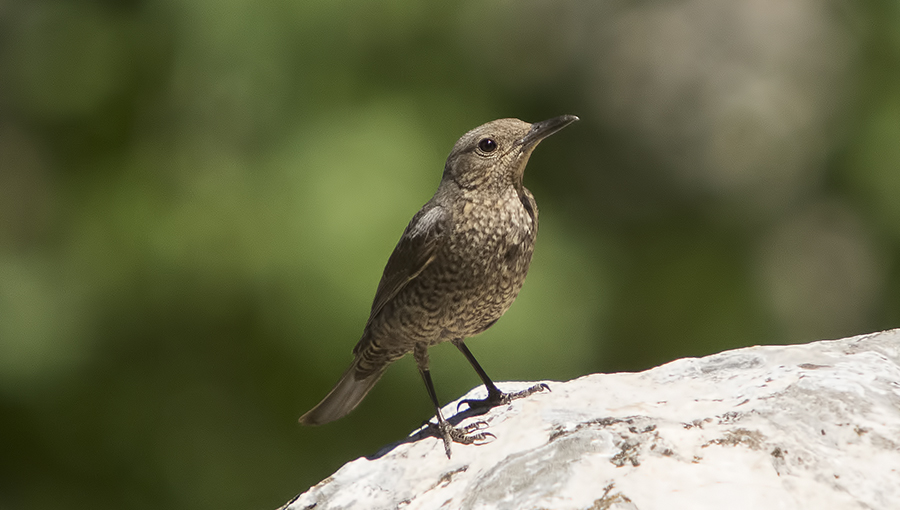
(495, 154)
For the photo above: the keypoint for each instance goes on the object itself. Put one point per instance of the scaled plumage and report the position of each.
(457, 268)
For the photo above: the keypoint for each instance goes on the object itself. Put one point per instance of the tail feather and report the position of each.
(343, 398)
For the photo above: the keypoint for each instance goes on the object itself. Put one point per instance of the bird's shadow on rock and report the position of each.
(429, 429)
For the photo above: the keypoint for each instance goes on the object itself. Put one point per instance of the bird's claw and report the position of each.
(528, 391)
(473, 433)
(478, 425)
(463, 435)
(500, 398)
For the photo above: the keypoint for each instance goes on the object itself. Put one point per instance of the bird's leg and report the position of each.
(495, 396)
(463, 435)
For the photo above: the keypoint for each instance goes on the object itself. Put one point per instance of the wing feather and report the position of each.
(416, 250)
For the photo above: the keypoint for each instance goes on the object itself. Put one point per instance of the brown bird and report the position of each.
(458, 267)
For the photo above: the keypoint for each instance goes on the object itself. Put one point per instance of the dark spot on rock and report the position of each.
(752, 439)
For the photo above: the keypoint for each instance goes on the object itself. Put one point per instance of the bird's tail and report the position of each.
(344, 397)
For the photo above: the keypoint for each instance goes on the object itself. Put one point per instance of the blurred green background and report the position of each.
(197, 199)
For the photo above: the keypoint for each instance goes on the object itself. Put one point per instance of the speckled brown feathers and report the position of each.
(459, 264)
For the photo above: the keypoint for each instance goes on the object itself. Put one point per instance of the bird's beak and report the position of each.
(545, 128)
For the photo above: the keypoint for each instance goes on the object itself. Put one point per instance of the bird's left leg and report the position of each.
(465, 435)
(495, 396)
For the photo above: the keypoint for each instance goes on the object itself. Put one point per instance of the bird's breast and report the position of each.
(480, 270)
(487, 229)
(475, 275)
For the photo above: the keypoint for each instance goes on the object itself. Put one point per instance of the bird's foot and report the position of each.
(470, 434)
(498, 398)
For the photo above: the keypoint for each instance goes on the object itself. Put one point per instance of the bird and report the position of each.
(457, 268)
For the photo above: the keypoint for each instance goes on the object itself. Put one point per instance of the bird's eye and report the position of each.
(487, 145)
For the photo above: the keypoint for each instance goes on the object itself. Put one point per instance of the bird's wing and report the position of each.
(416, 249)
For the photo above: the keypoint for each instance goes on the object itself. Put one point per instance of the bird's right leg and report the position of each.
(465, 435)
(495, 396)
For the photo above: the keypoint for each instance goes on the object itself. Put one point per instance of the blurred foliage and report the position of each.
(197, 199)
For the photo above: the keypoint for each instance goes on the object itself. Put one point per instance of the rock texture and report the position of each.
(814, 426)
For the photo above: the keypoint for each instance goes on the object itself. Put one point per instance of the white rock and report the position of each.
(814, 426)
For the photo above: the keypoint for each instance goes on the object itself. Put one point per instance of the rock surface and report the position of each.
(814, 426)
